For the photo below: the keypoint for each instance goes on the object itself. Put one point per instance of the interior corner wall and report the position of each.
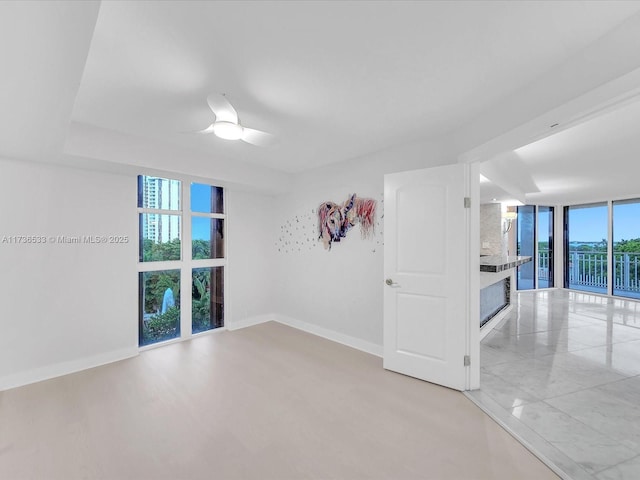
(337, 293)
(251, 260)
(329, 291)
(67, 304)
(71, 304)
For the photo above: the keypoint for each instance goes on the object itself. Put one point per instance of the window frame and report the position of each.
(566, 239)
(208, 262)
(536, 247)
(186, 264)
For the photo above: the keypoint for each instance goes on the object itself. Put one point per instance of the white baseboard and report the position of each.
(64, 368)
(332, 335)
(73, 366)
(250, 321)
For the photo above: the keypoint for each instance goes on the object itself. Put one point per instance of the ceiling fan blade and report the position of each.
(258, 137)
(222, 108)
(209, 129)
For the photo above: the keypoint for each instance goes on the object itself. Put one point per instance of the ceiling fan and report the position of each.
(228, 127)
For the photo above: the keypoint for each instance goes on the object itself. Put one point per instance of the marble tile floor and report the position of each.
(562, 373)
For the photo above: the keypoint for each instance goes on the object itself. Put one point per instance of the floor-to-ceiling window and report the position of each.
(181, 283)
(586, 243)
(535, 239)
(208, 255)
(545, 247)
(526, 246)
(626, 248)
(160, 254)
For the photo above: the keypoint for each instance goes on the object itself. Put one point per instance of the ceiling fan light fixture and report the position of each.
(227, 130)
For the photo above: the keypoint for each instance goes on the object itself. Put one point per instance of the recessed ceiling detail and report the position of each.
(333, 80)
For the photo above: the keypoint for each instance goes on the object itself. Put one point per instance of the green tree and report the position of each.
(200, 249)
(162, 326)
(153, 252)
(631, 246)
(201, 300)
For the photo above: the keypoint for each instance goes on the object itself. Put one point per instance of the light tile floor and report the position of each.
(562, 373)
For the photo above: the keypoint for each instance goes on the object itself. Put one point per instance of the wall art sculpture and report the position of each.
(334, 220)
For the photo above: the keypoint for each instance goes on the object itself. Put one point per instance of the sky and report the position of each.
(200, 228)
(201, 202)
(590, 224)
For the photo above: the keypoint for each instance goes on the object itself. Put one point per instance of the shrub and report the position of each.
(162, 326)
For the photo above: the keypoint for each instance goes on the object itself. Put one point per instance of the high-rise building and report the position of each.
(160, 194)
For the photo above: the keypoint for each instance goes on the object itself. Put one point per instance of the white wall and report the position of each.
(74, 306)
(338, 293)
(338, 290)
(68, 307)
(65, 307)
(251, 261)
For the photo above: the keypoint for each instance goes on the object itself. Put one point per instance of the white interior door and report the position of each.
(427, 265)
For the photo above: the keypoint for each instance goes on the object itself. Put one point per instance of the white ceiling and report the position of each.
(333, 80)
(596, 160)
(43, 49)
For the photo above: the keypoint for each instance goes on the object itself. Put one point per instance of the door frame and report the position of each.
(472, 189)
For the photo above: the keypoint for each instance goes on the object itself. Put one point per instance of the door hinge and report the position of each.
(467, 202)
(467, 360)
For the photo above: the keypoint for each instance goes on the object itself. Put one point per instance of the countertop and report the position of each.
(499, 263)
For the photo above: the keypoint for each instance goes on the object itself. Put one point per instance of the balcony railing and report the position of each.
(588, 271)
(543, 265)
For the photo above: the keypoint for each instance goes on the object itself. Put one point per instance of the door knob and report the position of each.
(391, 283)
